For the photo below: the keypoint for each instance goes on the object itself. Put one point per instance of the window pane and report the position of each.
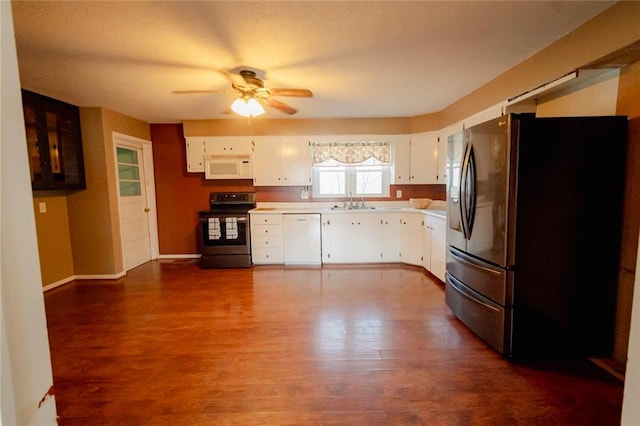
(128, 156)
(129, 189)
(368, 182)
(332, 182)
(126, 172)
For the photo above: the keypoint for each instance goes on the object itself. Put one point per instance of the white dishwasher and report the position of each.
(301, 238)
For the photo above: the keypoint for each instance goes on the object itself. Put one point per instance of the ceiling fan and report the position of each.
(251, 89)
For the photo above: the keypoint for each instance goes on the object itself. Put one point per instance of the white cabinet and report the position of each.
(233, 145)
(443, 137)
(282, 161)
(412, 236)
(390, 237)
(337, 241)
(401, 159)
(424, 158)
(484, 115)
(266, 238)
(199, 146)
(438, 245)
(426, 243)
(351, 238)
(195, 154)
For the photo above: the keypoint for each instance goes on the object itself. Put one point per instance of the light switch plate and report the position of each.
(42, 207)
(398, 193)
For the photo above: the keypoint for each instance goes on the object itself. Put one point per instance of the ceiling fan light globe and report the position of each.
(247, 107)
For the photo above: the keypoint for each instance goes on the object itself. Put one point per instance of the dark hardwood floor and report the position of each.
(172, 344)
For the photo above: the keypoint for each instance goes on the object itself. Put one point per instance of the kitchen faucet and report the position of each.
(350, 200)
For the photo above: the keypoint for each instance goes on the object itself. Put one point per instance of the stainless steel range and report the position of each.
(225, 241)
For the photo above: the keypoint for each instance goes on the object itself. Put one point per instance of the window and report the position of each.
(360, 168)
(128, 172)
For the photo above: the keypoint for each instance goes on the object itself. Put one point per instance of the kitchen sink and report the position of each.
(355, 208)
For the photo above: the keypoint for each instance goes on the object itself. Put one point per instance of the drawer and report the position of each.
(267, 255)
(266, 219)
(266, 241)
(491, 322)
(265, 230)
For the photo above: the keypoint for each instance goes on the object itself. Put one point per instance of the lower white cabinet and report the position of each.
(266, 239)
(412, 236)
(438, 244)
(390, 237)
(351, 238)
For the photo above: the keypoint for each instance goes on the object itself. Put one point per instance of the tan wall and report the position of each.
(259, 127)
(54, 240)
(629, 105)
(93, 218)
(615, 28)
(593, 97)
(346, 126)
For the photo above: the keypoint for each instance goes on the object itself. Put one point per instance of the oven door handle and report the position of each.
(238, 219)
(224, 219)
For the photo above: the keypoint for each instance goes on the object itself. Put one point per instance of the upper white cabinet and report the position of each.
(282, 161)
(424, 158)
(199, 146)
(484, 115)
(401, 159)
(195, 154)
(443, 137)
(232, 145)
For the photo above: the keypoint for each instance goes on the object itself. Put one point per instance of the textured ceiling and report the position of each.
(360, 59)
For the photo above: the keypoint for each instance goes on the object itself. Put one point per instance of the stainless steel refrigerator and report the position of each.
(534, 208)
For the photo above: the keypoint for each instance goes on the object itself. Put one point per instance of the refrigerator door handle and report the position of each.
(464, 191)
(471, 176)
(470, 261)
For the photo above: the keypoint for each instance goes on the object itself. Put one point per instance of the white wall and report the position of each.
(25, 362)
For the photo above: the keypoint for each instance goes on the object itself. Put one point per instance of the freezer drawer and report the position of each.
(491, 322)
(489, 280)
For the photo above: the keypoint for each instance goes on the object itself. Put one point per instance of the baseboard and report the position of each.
(58, 283)
(101, 277)
(179, 256)
(82, 277)
(610, 366)
(112, 276)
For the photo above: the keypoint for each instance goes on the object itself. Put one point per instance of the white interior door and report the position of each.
(134, 209)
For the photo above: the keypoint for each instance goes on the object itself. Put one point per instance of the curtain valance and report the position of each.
(351, 152)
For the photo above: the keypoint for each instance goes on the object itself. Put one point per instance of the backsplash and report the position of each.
(293, 194)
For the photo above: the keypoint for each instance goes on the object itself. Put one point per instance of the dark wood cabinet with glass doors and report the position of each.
(54, 143)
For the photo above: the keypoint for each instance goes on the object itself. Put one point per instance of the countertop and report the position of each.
(436, 209)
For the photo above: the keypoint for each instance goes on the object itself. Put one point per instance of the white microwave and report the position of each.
(228, 167)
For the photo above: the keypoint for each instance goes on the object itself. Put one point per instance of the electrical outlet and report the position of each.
(304, 195)
(42, 207)
(398, 193)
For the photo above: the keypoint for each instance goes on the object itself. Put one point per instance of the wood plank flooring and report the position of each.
(172, 344)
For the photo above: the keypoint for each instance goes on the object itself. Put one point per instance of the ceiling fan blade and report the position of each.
(182, 92)
(281, 106)
(302, 93)
(235, 79)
